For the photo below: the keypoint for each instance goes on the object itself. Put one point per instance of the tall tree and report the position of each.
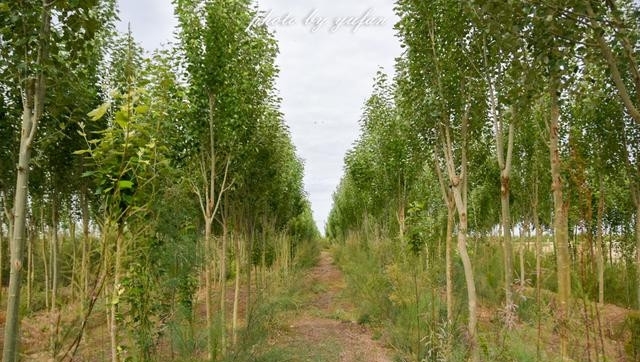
(32, 86)
(34, 45)
(231, 74)
(441, 62)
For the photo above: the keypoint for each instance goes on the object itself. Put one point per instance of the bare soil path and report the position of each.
(322, 330)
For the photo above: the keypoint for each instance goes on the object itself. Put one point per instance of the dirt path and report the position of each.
(322, 330)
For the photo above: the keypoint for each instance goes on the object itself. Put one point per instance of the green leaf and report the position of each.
(81, 152)
(125, 184)
(122, 119)
(142, 109)
(88, 173)
(99, 112)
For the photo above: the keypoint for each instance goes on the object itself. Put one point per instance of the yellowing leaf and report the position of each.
(99, 112)
(142, 109)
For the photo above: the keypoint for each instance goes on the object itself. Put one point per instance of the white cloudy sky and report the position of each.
(325, 76)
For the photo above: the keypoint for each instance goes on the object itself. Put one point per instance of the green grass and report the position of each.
(402, 297)
(282, 300)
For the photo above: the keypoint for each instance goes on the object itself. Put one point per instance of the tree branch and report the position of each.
(613, 66)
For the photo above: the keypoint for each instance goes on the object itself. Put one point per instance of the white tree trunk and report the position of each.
(599, 241)
(33, 105)
(236, 295)
(560, 226)
(11, 335)
(459, 187)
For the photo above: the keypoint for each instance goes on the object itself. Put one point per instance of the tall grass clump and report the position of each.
(399, 293)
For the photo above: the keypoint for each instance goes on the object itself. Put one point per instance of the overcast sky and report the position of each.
(326, 74)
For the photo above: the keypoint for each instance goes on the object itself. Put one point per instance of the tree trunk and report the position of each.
(447, 197)
(506, 238)
(504, 162)
(249, 266)
(30, 239)
(401, 211)
(560, 226)
(31, 262)
(11, 335)
(74, 262)
(209, 204)
(53, 248)
(54, 254)
(223, 289)
(599, 241)
(115, 295)
(263, 263)
(236, 295)
(8, 215)
(84, 273)
(459, 188)
(10, 222)
(2, 243)
(266, 234)
(536, 224)
(208, 260)
(33, 105)
(637, 229)
(470, 281)
(523, 247)
(45, 263)
(449, 262)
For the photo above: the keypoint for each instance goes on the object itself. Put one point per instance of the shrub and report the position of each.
(631, 329)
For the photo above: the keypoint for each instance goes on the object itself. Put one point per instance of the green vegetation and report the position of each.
(147, 185)
(153, 205)
(513, 128)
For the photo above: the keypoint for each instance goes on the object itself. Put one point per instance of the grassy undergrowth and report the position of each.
(267, 318)
(402, 296)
